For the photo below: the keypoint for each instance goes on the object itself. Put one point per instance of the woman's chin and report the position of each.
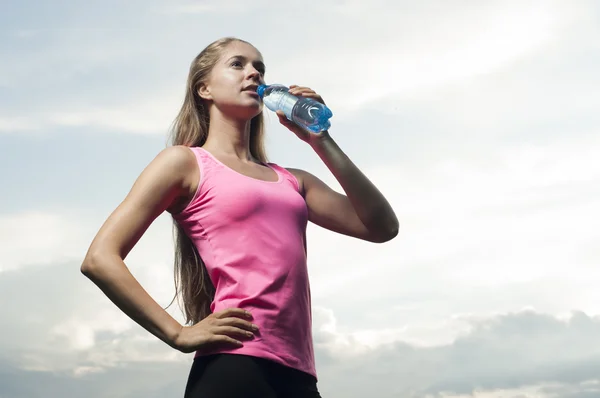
(245, 110)
(251, 111)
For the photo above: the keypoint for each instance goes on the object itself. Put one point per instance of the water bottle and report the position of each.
(305, 112)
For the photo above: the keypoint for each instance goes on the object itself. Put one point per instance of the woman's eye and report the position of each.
(236, 63)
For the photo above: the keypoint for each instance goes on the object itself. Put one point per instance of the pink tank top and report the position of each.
(251, 235)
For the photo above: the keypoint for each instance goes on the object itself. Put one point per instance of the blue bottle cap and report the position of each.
(261, 90)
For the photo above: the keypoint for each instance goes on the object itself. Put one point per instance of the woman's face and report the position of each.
(232, 82)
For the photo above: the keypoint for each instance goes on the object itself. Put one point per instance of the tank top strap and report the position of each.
(288, 176)
(206, 161)
(206, 167)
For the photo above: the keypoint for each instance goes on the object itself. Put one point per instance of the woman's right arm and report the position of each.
(163, 183)
(167, 183)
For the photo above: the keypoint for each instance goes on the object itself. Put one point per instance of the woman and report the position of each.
(241, 224)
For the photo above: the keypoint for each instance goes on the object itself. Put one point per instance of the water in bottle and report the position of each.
(305, 112)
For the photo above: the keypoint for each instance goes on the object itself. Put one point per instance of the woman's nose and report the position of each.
(254, 75)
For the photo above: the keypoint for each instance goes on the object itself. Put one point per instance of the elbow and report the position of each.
(384, 227)
(91, 264)
(87, 266)
(393, 232)
(386, 234)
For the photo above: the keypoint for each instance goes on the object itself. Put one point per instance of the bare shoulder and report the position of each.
(176, 157)
(296, 172)
(305, 178)
(179, 166)
(173, 165)
(300, 175)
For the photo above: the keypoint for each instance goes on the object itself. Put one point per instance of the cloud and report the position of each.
(153, 116)
(516, 351)
(586, 389)
(387, 54)
(533, 353)
(55, 239)
(377, 336)
(135, 380)
(75, 333)
(61, 237)
(60, 330)
(501, 209)
(8, 124)
(417, 51)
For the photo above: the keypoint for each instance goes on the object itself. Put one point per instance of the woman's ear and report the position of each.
(204, 92)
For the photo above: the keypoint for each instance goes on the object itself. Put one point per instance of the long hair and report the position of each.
(190, 128)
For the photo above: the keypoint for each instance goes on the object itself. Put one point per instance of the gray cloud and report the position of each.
(502, 352)
(132, 380)
(574, 390)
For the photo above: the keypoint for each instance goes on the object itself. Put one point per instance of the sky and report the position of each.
(479, 122)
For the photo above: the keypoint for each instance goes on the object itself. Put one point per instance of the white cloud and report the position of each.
(36, 238)
(147, 116)
(83, 321)
(390, 54)
(152, 116)
(86, 370)
(13, 125)
(59, 238)
(498, 236)
(343, 342)
(387, 54)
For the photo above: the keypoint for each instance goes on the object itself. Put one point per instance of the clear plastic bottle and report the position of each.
(305, 112)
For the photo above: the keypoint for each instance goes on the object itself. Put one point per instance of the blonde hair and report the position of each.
(190, 128)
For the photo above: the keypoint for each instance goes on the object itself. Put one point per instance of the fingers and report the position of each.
(239, 323)
(229, 326)
(283, 119)
(232, 312)
(296, 90)
(233, 332)
(280, 114)
(222, 338)
(305, 92)
(235, 317)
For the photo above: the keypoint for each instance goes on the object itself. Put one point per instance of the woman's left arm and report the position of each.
(363, 212)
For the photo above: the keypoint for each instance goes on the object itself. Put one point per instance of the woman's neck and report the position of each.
(229, 136)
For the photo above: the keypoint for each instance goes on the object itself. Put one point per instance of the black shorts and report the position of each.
(243, 376)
